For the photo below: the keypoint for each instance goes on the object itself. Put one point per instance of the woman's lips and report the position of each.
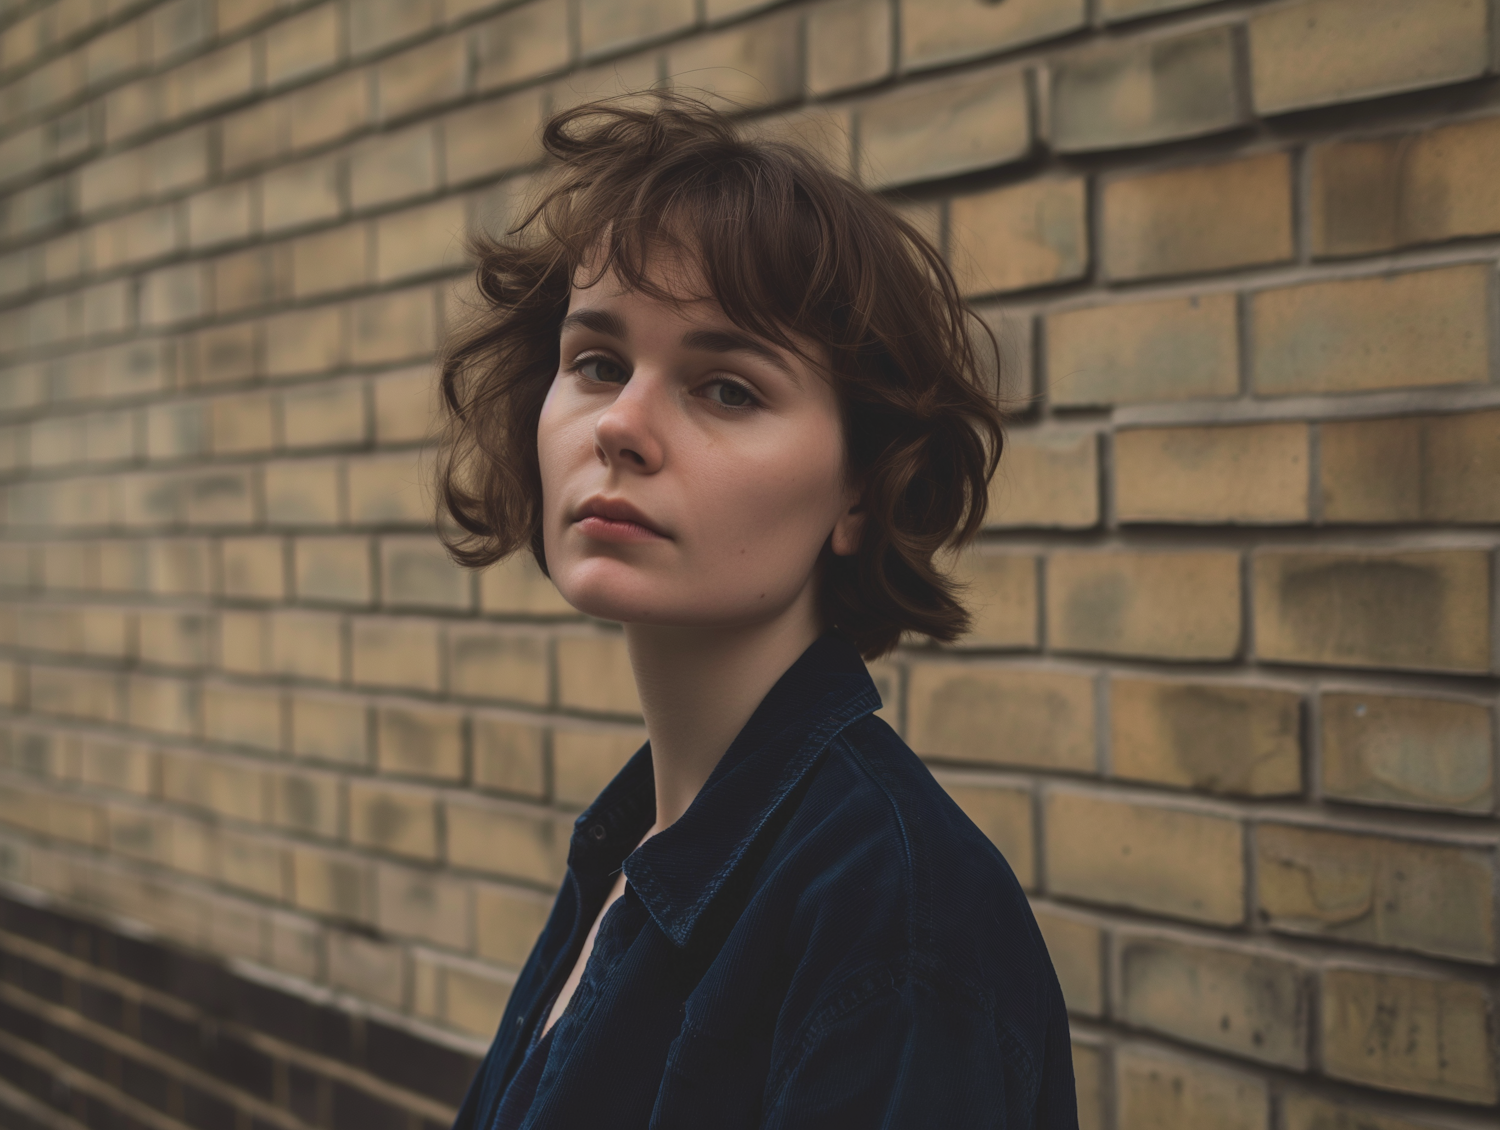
(615, 529)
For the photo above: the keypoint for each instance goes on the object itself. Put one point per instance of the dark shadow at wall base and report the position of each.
(102, 1030)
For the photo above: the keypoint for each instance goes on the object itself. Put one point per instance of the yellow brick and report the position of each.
(136, 238)
(302, 493)
(1173, 349)
(1076, 947)
(943, 128)
(585, 760)
(252, 864)
(245, 642)
(823, 131)
(333, 260)
(252, 567)
(392, 652)
(1309, 1112)
(1140, 91)
(335, 569)
(1026, 235)
(848, 44)
(304, 341)
(501, 838)
(210, 81)
(418, 904)
(1250, 473)
(406, 405)
(517, 586)
(252, 278)
(416, 572)
(323, 414)
(1158, 1091)
(475, 997)
(1090, 1082)
(508, 756)
(493, 137)
(594, 673)
(374, 970)
(379, 23)
(330, 883)
(393, 327)
(172, 295)
(421, 240)
(1372, 195)
(330, 729)
(1185, 863)
(507, 922)
(1355, 335)
(1174, 605)
(219, 215)
(1246, 1003)
(179, 639)
(1412, 469)
(1209, 737)
(308, 645)
(420, 743)
(1046, 478)
(305, 43)
(1407, 751)
(226, 786)
(1410, 1034)
(525, 43)
(1201, 218)
(388, 818)
(499, 663)
(223, 354)
(1003, 812)
(242, 715)
(1432, 898)
(424, 76)
(608, 25)
(943, 31)
(326, 111)
(293, 195)
(164, 705)
(754, 64)
(994, 715)
(1321, 51)
(1415, 610)
(305, 802)
(242, 424)
(1000, 591)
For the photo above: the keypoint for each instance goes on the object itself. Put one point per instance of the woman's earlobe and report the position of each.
(847, 531)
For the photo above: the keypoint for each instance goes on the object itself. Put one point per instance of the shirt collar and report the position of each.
(679, 871)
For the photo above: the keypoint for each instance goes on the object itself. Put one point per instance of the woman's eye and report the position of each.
(602, 369)
(730, 394)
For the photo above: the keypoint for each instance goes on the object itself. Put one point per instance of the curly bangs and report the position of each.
(788, 248)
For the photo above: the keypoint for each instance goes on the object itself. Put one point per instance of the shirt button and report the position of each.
(598, 831)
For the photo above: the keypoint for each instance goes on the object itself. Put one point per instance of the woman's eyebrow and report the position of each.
(727, 341)
(600, 321)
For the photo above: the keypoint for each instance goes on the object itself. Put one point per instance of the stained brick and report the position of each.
(1310, 1112)
(1411, 469)
(1155, 1090)
(1406, 1033)
(1407, 751)
(1200, 218)
(594, 673)
(1046, 478)
(324, 414)
(391, 819)
(500, 663)
(333, 260)
(1000, 592)
(1250, 1004)
(849, 44)
(374, 24)
(416, 742)
(392, 652)
(334, 569)
(492, 137)
(252, 568)
(416, 241)
(1209, 737)
(947, 127)
(1002, 715)
(416, 572)
(1321, 51)
(508, 756)
(422, 905)
(1249, 473)
(393, 327)
(330, 729)
(518, 586)
(393, 167)
(1371, 195)
(934, 32)
(1172, 349)
(585, 760)
(1416, 329)
(1432, 898)
(1140, 92)
(1421, 610)
(1076, 947)
(1181, 862)
(1173, 605)
(609, 25)
(501, 838)
(754, 64)
(526, 42)
(507, 922)
(1032, 234)
(305, 43)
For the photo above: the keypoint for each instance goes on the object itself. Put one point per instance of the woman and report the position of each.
(729, 400)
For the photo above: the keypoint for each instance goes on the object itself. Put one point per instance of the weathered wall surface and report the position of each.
(1230, 705)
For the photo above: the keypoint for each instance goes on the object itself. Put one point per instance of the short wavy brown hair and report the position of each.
(789, 249)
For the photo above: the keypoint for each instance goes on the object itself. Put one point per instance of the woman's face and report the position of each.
(691, 474)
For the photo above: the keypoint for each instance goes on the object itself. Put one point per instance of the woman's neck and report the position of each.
(698, 688)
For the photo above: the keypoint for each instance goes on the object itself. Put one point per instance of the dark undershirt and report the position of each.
(521, 1090)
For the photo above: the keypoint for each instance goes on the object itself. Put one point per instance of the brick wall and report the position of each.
(1229, 707)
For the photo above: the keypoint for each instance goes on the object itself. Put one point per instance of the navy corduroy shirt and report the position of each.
(822, 940)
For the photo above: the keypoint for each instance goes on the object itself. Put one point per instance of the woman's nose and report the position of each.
(625, 435)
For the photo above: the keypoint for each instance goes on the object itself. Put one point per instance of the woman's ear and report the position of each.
(847, 531)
